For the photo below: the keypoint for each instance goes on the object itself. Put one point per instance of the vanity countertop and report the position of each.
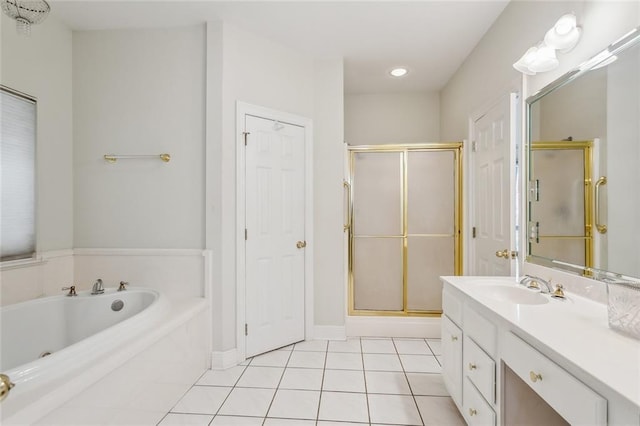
(576, 329)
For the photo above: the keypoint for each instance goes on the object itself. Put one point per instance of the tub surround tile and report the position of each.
(202, 400)
(248, 402)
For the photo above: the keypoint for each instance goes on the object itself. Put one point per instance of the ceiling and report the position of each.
(430, 38)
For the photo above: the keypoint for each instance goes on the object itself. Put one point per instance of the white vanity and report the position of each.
(514, 356)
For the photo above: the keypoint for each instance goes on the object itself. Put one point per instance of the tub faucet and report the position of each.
(97, 288)
(534, 282)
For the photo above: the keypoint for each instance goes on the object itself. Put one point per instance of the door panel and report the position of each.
(275, 222)
(493, 176)
(427, 259)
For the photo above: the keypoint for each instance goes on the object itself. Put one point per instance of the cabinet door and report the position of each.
(452, 359)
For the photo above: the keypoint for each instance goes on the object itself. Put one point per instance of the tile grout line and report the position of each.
(407, 379)
(326, 355)
(364, 374)
(185, 392)
(273, 398)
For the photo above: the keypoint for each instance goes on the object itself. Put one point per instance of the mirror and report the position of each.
(583, 193)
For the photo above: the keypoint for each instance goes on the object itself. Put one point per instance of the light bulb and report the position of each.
(398, 72)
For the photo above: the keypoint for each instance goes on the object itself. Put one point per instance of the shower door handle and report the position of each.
(347, 226)
(599, 226)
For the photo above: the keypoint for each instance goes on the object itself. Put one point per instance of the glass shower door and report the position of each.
(405, 227)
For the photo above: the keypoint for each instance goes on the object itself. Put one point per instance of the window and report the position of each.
(17, 175)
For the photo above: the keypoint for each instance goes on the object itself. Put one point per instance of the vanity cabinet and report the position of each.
(497, 372)
(468, 364)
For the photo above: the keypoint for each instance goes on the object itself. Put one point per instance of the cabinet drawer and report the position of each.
(571, 398)
(481, 330)
(480, 369)
(452, 306)
(476, 411)
(452, 358)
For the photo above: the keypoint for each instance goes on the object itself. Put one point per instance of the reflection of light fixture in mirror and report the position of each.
(564, 35)
(26, 13)
(398, 72)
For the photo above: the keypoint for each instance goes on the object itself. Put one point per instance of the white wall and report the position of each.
(392, 118)
(244, 67)
(41, 66)
(139, 92)
(328, 125)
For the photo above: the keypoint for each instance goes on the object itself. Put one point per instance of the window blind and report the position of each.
(17, 176)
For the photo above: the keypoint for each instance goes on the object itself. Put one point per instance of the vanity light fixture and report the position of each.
(542, 58)
(399, 72)
(564, 35)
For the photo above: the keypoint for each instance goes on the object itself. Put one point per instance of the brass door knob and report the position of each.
(535, 376)
(506, 253)
(472, 366)
(5, 386)
(301, 244)
(473, 411)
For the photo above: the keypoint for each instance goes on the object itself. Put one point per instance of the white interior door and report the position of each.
(275, 240)
(494, 183)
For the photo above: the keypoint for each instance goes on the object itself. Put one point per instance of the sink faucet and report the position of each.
(534, 282)
(97, 288)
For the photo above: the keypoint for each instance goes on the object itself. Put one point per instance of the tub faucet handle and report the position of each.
(72, 290)
(123, 285)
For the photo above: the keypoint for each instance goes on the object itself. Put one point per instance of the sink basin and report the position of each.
(513, 294)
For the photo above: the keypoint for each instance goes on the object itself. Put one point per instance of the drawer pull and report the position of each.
(454, 338)
(472, 411)
(534, 376)
(472, 366)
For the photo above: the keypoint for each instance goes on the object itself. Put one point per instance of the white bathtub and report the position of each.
(89, 342)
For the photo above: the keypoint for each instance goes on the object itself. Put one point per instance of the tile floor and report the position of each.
(323, 383)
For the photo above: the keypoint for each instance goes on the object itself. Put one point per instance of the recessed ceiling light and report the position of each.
(398, 72)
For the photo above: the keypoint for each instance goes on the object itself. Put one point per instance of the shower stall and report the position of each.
(404, 225)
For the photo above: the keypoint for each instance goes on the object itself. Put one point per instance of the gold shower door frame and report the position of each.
(587, 148)
(456, 149)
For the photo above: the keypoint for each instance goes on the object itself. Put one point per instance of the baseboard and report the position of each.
(419, 327)
(224, 359)
(329, 332)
